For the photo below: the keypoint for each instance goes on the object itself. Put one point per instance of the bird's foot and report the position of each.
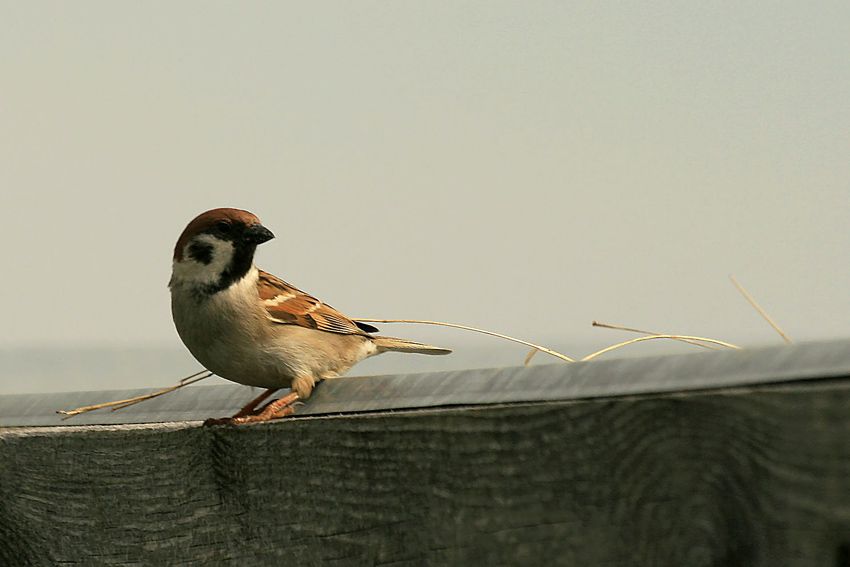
(250, 414)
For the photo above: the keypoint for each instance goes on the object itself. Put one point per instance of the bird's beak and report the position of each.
(257, 234)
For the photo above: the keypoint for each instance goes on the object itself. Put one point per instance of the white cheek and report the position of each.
(189, 270)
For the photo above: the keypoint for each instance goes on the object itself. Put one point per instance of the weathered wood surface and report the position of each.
(713, 459)
(750, 477)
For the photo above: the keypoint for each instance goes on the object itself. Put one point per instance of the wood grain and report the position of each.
(749, 477)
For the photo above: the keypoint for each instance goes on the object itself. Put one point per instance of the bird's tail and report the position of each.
(390, 344)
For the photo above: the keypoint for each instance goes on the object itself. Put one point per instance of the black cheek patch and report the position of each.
(201, 252)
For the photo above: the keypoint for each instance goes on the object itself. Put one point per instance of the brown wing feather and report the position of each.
(288, 305)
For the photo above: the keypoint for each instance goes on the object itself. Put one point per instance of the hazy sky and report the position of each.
(526, 167)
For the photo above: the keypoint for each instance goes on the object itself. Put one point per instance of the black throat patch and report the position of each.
(240, 265)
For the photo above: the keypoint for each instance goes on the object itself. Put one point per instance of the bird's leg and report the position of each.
(274, 410)
(248, 409)
(251, 407)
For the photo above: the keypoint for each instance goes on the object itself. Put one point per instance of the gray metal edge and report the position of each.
(550, 382)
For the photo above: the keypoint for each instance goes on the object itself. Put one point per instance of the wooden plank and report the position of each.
(740, 476)
(553, 382)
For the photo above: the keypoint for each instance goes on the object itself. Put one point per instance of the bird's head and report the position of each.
(217, 249)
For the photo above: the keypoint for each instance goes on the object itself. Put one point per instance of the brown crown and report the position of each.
(205, 220)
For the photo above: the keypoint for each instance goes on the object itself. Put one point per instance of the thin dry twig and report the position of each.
(184, 382)
(466, 328)
(121, 404)
(619, 328)
(650, 337)
(760, 310)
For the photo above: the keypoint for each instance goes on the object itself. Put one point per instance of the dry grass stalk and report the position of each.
(651, 337)
(760, 310)
(466, 328)
(619, 328)
(121, 404)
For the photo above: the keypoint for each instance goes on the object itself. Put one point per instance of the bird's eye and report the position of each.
(223, 227)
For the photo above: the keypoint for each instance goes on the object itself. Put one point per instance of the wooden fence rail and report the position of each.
(721, 458)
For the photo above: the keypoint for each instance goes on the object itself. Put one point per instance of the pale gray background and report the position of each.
(522, 167)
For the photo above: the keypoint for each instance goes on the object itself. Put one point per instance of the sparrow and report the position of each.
(253, 328)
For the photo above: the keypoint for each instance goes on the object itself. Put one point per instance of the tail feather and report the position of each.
(391, 344)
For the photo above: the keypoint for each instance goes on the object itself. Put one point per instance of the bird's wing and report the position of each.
(288, 305)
